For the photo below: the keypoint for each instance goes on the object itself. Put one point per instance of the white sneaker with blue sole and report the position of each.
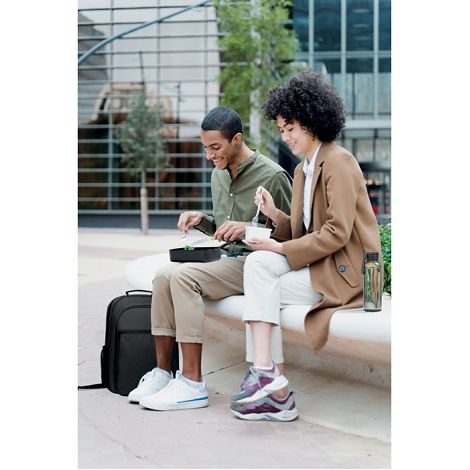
(179, 394)
(150, 383)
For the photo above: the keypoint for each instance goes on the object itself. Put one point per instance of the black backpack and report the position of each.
(128, 352)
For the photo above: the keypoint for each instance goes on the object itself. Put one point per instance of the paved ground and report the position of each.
(342, 424)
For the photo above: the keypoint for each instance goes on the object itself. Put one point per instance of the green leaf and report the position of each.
(386, 242)
(141, 138)
(257, 49)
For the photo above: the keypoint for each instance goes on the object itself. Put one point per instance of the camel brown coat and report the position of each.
(342, 227)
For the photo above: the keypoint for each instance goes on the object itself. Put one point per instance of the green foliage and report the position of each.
(386, 241)
(257, 48)
(140, 137)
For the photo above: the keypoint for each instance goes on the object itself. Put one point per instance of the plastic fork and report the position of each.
(254, 220)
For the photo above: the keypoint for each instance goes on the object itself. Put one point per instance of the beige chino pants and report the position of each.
(177, 305)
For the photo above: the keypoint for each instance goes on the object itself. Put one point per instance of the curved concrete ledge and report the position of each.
(358, 344)
(140, 272)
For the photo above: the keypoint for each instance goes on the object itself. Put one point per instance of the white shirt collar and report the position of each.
(309, 167)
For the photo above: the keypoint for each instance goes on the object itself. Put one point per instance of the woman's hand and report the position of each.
(268, 208)
(268, 245)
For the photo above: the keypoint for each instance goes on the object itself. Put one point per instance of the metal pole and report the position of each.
(158, 77)
(144, 213)
(255, 119)
(111, 163)
(343, 49)
(311, 19)
(375, 32)
(142, 80)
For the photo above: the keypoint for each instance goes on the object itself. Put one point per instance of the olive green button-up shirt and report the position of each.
(234, 199)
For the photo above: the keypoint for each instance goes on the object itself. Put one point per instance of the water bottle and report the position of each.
(373, 282)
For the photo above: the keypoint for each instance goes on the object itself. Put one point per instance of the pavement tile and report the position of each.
(343, 424)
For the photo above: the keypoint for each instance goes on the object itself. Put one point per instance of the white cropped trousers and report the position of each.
(270, 285)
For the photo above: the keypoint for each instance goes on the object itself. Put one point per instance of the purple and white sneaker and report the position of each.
(259, 383)
(268, 409)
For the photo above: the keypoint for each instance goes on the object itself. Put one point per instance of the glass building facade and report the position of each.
(349, 41)
(177, 63)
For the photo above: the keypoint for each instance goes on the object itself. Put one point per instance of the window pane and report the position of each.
(364, 150)
(300, 20)
(385, 25)
(327, 28)
(359, 88)
(382, 150)
(359, 25)
(331, 69)
(384, 92)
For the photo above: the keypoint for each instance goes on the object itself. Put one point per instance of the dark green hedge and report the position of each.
(386, 240)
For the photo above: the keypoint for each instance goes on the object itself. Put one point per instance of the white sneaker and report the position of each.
(150, 383)
(177, 395)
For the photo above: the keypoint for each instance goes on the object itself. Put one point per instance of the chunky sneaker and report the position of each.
(259, 383)
(179, 394)
(268, 408)
(151, 382)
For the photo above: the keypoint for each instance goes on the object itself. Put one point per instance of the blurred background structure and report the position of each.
(177, 63)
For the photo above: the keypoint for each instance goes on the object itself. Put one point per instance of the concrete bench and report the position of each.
(358, 346)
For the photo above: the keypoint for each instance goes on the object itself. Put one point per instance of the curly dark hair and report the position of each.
(306, 98)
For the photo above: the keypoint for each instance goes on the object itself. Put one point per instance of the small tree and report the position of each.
(144, 146)
(258, 49)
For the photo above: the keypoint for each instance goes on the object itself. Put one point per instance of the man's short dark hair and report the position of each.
(225, 120)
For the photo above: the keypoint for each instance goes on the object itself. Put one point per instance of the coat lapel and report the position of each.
(296, 208)
(322, 154)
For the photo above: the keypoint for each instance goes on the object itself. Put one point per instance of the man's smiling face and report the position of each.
(219, 150)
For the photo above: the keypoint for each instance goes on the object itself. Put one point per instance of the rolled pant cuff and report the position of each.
(163, 332)
(248, 318)
(189, 339)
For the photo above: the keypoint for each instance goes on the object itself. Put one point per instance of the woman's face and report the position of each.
(297, 138)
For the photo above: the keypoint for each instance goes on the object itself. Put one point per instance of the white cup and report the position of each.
(257, 232)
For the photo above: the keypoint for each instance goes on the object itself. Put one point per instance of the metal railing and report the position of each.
(177, 63)
(139, 26)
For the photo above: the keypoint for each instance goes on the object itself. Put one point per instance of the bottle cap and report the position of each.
(372, 256)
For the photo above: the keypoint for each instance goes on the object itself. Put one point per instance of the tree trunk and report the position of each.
(144, 215)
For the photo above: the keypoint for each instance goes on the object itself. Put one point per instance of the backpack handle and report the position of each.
(138, 290)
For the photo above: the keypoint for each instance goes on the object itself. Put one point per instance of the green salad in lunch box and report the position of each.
(189, 248)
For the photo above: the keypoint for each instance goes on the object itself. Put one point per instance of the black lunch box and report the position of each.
(202, 254)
